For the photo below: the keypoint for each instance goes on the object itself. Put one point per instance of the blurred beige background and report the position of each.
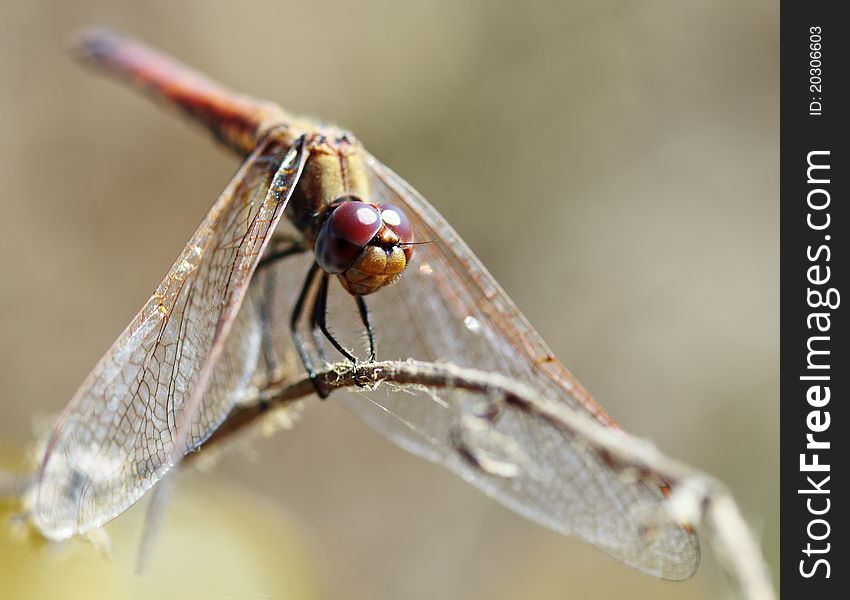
(615, 164)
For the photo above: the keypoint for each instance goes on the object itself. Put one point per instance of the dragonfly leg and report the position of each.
(367, 323)
(315, 331)
(281, 248)
(314, 273)
(320, 313)
(275, 254)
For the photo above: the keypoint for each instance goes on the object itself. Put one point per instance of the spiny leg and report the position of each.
(314, 272)
(314, 323)
(320, 313)
(367, 323)
(280, 253)
(266, 299)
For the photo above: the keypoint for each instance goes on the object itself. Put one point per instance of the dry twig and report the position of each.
(697, 497)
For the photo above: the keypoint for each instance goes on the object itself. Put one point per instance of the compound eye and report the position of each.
(344, 234)
(394, 218)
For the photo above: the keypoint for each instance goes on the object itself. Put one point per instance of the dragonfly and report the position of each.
(317, 251)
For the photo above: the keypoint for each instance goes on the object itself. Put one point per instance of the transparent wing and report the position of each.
(178, 368)
(448, 308)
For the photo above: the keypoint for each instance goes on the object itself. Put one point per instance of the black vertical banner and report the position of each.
(815, 371)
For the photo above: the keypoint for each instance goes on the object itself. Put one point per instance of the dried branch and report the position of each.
(697, 497)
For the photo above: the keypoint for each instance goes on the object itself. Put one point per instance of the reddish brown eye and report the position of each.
(344, 235)
(394, 218)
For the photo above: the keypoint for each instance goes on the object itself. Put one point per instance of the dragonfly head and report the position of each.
(368, 246)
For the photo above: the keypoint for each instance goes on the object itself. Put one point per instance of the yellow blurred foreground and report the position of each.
(216, 541)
